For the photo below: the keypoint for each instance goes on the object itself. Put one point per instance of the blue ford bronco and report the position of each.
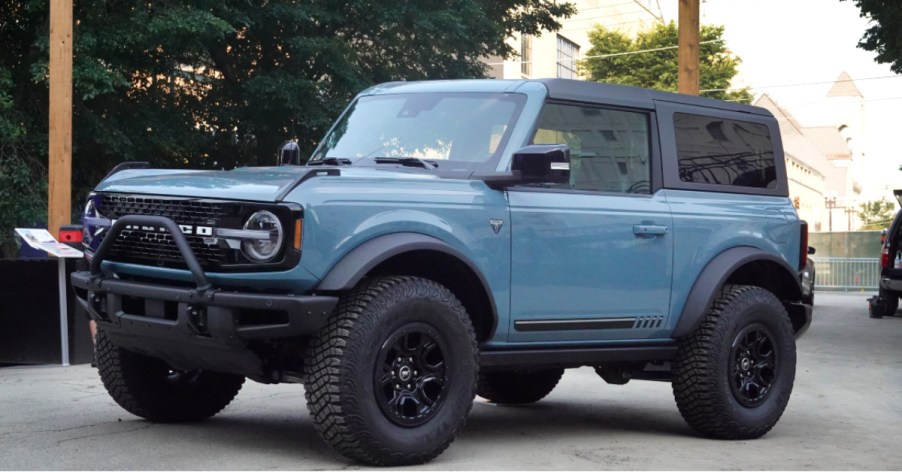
(458, 238)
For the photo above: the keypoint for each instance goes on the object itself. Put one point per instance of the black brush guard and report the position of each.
(191, 328)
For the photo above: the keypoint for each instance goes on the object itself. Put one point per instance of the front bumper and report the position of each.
(199, 327)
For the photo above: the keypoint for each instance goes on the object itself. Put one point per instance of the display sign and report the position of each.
(41, 239)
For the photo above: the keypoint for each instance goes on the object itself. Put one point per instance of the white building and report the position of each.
(555, 54)
(823, 161)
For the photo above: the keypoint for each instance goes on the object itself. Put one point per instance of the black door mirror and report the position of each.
(811, 250)
(543, 163)
(290, 154)
(535, 164)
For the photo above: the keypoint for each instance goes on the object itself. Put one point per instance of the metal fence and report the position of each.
(846, 273)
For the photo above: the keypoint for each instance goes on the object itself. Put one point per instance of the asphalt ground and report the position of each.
(845, 413)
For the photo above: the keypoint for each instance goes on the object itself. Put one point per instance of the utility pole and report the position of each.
(59, 198)
(688, 47)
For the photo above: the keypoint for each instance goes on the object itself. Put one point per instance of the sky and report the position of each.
(793, 50)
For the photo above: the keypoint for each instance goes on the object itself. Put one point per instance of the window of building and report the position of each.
(526, 54)
(567, 54)
(721, 151)
(609, 149)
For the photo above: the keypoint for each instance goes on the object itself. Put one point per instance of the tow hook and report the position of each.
(197, 318)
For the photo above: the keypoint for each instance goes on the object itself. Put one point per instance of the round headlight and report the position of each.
(89, 212)
(262, 250)
(89, 221)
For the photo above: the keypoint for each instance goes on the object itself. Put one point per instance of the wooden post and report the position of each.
(59, 198)
(688, 47)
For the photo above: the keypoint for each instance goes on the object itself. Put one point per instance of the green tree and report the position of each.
(657, 69)
(221, 83)
(883, 35)
(23, 179)
(876, 214)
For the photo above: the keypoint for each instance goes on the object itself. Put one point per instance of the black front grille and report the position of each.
(182, 211)
(155, 246)
(140, 245)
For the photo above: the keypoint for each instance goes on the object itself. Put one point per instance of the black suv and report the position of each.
(887, 300)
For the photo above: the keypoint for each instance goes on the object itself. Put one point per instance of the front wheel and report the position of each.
(733, 376)
(391, 379)
(149, 388)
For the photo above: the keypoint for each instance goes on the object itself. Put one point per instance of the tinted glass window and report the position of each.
(724, 152)
(463, 130)
(609, 149)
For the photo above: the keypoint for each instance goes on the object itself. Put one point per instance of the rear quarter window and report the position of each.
(723, 151)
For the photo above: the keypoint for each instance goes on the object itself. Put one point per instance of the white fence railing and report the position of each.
(846, 273)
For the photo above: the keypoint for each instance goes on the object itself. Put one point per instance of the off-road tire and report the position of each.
(377, 421)
(725, 383)
(149, 388)
(517, 387)
(886, 306)
(892, 302)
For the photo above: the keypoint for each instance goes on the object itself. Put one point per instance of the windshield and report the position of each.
(452, 130)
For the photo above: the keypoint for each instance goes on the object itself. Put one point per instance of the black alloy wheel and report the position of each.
(410, 375)
(755, 365)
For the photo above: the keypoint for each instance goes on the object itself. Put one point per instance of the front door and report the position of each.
(592, 258)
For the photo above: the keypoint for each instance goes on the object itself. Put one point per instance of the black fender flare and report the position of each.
(714, 276)
(361, 260)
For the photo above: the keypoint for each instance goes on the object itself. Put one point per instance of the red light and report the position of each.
(70, 234)
(884, 260)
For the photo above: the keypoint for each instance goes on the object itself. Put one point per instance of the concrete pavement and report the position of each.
(845, 413)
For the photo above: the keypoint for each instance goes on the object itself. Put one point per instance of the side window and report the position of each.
(609, 149)
(722, 151)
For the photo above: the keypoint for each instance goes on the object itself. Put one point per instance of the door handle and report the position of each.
(649, 230)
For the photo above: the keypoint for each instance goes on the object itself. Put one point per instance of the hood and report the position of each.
(262, 184)
(246, 183)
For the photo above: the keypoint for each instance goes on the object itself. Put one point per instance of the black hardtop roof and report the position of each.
(588, 91)
(566, 89)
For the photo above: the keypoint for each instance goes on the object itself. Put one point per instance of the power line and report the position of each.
(612, 26)
(631, 2)
(822, 102)
(602, 17)
(805, 84)
(604, 56)
(659, 16)
(616, 54)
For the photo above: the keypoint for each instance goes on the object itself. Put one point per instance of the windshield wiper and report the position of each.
(330, 161)
(408, 162)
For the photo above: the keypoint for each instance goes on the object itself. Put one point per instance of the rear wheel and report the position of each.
(518, 387)
(149, 388)
(733, 376)
(886, 304)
